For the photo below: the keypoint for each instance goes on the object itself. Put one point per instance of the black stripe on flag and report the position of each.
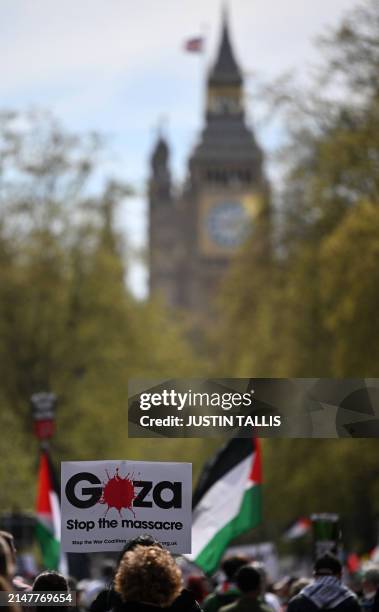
(53, 476)
(233, 453)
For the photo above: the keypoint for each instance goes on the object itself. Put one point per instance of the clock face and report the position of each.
(225, 104)
(227, 224)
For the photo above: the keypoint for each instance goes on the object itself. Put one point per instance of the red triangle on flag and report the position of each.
(256, 468)
(43, 505)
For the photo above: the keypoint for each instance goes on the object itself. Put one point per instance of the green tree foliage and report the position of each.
(310, 309)
(306, 476)
(350, 292)
(67, 321)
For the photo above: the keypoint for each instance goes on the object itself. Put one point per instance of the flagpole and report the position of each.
(203, 63)
(43, 413)
(197, 45)
(43, 406)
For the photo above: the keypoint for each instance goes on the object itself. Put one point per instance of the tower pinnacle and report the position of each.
(225, 70)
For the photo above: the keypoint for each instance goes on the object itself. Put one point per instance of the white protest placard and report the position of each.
(105, 503)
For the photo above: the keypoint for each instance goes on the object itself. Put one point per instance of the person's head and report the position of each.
(231, 565)
(72, 583)
(150, 575)
(50, 581)
(248, 580)
(257, 565)
(142, 540)
(6, 564)
(197, 586)
(107, 570)
(370, 579)
(327, 565)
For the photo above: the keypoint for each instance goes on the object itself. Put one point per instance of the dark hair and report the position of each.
(231, 564)
(72, 583)
(50, 581)
(108, 569)
(142, 540)
(248, 579)
(371, 575)
(196, 584)
(327, 565)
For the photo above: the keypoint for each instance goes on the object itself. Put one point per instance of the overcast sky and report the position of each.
(117, 66)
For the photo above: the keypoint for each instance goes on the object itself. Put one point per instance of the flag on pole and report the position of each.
(227, 501)
(298, 529)
(194, 45)
(48, 526)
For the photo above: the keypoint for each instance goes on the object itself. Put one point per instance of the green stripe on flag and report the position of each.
(248, 517)
(50, 547)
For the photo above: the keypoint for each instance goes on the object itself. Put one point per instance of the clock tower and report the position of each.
(224, 195)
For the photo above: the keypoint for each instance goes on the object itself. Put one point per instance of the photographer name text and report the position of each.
(231, 420)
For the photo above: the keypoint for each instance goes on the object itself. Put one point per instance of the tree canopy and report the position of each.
(68, 322)
(310, 307)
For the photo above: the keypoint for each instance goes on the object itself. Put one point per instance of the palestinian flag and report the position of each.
(298, 529)
(227, 501)
(48, 526)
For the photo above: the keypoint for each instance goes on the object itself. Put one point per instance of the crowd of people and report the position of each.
(147, 578)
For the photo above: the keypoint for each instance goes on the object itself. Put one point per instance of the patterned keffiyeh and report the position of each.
(326, 592)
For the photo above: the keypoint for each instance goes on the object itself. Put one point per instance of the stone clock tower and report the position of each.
(194, 236)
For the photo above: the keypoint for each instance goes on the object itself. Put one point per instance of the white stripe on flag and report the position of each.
(56, 512)
(219, 505)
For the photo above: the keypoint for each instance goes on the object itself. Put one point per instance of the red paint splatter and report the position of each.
(118, 493)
